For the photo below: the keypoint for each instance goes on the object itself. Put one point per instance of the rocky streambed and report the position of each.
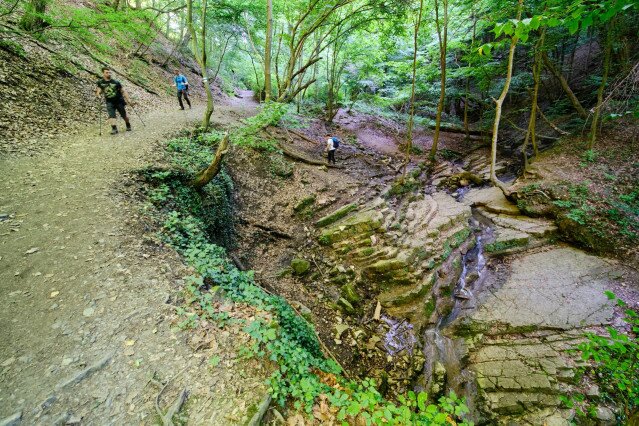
(467, 295)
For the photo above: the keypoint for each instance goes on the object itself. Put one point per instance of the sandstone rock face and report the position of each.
(403, 255)
(560, 288)
(513, 337)
(523, 331)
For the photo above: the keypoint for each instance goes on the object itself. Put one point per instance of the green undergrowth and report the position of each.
(601, 222)
(210, 210)
(611, 363)
(250, 136)
(303, 375)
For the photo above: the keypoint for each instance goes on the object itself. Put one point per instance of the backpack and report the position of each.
(336, 142)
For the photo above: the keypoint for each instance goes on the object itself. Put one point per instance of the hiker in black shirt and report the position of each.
(116, 98)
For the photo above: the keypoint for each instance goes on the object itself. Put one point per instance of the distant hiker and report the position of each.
(182, 85)
(332, 143)
(116, 98)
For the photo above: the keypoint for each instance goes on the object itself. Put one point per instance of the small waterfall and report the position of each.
(443, 370)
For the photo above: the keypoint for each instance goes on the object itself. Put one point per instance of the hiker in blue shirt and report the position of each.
(182, 85)
(332, 143)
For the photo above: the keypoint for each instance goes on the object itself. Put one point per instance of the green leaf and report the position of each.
(573, 26)
(214, 361)
(422, 397)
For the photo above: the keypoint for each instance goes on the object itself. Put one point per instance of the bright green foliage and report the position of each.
(613, 365)
(251, 136)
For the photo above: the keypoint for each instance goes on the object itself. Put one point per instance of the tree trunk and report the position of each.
(472, 44)
(219, 64)
(498, 104)
(411, 116)
(564, 85)
(33, 18)
(207, 175)
(532, 123)
(443, 42)
(267, 49)
(201, 57)
(602, 86)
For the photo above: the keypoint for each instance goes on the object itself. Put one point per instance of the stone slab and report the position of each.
(492, 199)
(559, 288)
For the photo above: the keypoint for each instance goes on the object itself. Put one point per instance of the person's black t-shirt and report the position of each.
(112, 90)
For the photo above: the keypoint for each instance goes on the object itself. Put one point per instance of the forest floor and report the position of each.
(87, 299)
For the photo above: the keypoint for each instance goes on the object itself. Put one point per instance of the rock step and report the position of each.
(402, 295)
(507, 239)
(492, 199)
(417, 311)
(386, 253)
(354, 242)
(358, 225)
(534, 226)
(336, 215)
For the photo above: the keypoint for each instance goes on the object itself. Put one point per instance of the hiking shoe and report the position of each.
(114, 131)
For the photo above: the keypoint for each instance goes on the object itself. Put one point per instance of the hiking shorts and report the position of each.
(113, 107)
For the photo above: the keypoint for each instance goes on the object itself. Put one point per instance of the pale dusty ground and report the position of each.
(80, 288)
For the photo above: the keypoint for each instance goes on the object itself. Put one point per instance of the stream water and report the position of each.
(443, 370)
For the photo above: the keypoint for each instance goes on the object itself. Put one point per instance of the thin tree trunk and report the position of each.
(532, 122)
(602, 86)
(183, 40)
(411, 116)
(219, 64)
(472, 44)
(498, 105)
(564, 85)
(207, 175)
(277, 62)
(267, 49)
(201, 57)
(443, 42)
(572, 56)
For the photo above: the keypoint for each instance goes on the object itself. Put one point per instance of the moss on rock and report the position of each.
(300, 266)
(336, 215)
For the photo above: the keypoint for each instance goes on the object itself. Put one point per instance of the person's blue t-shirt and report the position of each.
(180, 82)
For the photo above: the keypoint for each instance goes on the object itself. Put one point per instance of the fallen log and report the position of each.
(299, 157)
(550, 123)
(273, 231)
(549, 138)
(302, 135)
(257, 418)
(458, 130)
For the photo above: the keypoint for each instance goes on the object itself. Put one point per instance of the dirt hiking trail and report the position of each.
(86, 312)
